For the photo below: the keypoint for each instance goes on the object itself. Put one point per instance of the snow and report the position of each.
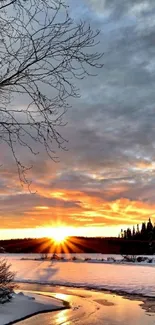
(89, 258)
(98, 272)
(129, 278)
(22, 306)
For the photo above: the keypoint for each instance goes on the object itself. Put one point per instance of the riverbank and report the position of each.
(22, 306)
(86, 307)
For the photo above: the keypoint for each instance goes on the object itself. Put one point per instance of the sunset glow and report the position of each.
(105, 180)
(59, 236)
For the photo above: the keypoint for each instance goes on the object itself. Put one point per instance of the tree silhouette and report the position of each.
(42, 51)
(128, 233)
(149, 226)
(147, 233)
(143, 231)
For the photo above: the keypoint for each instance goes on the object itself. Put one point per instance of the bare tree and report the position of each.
(42, 51)
(7, 284)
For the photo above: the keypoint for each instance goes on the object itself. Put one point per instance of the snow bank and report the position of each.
(88, 258)
(22, 306)
(118, 277)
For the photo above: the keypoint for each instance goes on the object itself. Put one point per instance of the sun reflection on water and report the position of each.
(61, 318)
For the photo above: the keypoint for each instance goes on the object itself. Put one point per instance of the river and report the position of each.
(90, 307)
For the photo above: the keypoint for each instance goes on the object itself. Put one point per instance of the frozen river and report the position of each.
(91, 308)
(116, 277)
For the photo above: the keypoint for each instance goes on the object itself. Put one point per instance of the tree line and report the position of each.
(145, 231)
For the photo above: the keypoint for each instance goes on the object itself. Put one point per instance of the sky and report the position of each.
(105, 181)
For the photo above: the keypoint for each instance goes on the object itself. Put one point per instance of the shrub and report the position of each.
(7, 284)
(44, 256)
(129, 258)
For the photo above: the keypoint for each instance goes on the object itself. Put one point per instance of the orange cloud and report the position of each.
(82, 201)
(145, 165)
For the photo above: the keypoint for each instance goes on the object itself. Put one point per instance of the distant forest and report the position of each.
(135, 241)
(141, 243)
(145, 231)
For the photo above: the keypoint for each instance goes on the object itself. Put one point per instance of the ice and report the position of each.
(131, 278)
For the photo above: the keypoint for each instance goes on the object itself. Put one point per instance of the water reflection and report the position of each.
(61, 317)
(92, 308)
(60, 296)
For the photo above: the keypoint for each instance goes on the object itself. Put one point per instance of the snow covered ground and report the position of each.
(80, 257)
(89, 258)
(129, 278)
(22, 306)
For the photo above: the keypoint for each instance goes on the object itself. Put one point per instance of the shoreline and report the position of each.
(145, 303)
(118, 292)
(36, 313)
(26, 304)
(91, 261)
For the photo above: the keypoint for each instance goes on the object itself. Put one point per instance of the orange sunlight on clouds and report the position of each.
(105, 176)
(79, 210)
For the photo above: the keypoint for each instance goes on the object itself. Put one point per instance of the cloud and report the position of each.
(107, 176)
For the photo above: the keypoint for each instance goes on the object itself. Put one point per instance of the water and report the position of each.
(91, 308)
(88, 307)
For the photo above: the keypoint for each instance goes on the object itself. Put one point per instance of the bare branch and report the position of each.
(42, 52)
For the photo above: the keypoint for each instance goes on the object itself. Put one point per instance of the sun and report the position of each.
(59, 236)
